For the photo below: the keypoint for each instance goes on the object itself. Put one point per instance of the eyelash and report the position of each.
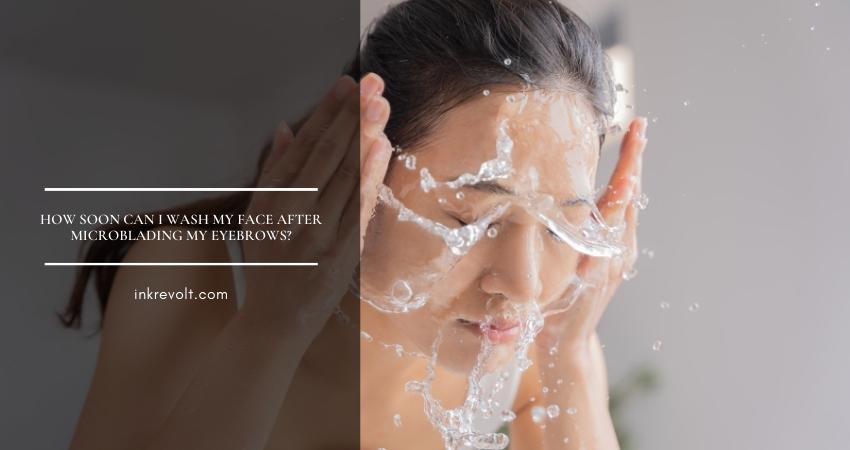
(552, 234)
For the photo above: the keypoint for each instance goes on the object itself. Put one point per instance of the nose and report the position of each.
(515, 269)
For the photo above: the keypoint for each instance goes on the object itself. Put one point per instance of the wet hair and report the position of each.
(433, 55)
(436, 54)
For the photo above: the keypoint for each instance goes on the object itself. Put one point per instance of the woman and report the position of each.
(483, 273)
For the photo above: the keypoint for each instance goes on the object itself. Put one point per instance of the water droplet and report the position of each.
(410, 162)
(812, 28)
(492, 232)
(538, 414)
(566, 440)
(508, 415)
(665, 306)
(486, 92)
(365, 336)
(553, 351)
(572, 411)
(507, 61)
(641, 201)
(619, 87)
(553, 411)
(401, 291)
(828, 49)
(686, 103)
(694, 307)
(545, 390)
(656, 346)
(442, 201)
(460, 195)
(655, 120)
(817, 4)
(397, 420)
(510, 99)
(397, 349)
(630, 274)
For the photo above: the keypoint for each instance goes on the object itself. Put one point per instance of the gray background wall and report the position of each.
(747, 216)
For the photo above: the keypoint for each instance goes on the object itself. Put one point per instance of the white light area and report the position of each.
(623, 71)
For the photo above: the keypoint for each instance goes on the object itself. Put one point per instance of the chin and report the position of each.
(459, 354)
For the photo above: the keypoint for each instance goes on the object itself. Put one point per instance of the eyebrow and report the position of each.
(496, 188)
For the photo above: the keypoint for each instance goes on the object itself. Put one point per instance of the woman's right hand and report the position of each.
(338, 142)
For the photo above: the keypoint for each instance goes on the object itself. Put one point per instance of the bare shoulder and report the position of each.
(155, 334)
(156, 297)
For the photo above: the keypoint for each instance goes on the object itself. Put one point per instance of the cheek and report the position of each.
(395, 250)
(557, 271)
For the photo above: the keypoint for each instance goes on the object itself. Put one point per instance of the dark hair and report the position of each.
(432, 55)
(435, 54)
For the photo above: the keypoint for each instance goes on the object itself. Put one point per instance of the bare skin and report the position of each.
(206, 375)
(498, 271)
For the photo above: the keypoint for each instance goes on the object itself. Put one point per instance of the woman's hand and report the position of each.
(600, 277)
(568, 359)
(341, 139)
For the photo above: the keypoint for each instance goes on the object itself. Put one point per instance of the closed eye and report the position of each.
(459, 220)
(552, 234)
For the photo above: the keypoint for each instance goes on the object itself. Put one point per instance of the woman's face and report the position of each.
(471, 257)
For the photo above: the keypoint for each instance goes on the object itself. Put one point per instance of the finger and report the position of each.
(319, 121)
(630, 238)
(372, 175)
(372, 123)
(617, 196)
(349, 234)
(330, 149)
(280, 141)
(593, 270)
(631, 219)
(371, 86)
(332, 200)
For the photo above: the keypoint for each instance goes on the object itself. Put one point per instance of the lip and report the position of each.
(498, 331)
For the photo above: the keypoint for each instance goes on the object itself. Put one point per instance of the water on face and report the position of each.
(412, 253)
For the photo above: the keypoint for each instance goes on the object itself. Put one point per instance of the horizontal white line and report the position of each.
(95, 264)
(107, 189)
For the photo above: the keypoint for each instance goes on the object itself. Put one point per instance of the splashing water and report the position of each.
(409, 293)
(456, 424)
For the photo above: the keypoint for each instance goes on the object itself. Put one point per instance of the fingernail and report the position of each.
(643, 127)
(342, 87)
(369, 86)
(284, 129)
(374, 109)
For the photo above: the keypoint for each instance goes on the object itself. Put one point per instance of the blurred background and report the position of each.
(151, 93)
(741, 282)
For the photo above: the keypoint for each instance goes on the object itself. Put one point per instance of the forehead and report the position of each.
(555, 140)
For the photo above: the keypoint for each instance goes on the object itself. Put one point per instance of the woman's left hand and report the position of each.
(600, 277)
